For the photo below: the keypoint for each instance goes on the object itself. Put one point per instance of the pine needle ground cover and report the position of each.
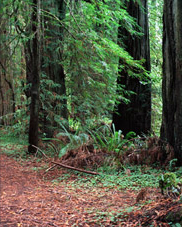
(32, 195)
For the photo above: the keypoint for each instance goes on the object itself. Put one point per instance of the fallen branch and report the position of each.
(38, 149)
(50, 168)
(73, 168)
(65, 166)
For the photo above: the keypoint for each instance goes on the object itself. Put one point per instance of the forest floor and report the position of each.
(31, 197)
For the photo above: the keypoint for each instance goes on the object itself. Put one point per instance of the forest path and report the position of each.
(28, 200)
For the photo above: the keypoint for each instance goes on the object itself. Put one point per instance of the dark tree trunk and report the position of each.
(135, 116)
(53, 69)
(29, 70)
(7, 96)
(56, 71)
(34, 107)
(171, 129)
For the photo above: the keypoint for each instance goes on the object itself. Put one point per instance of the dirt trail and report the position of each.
(27, 200)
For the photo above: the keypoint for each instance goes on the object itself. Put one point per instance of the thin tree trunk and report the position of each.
(34, 108)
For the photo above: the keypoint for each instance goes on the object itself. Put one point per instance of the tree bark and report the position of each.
(171, 129)
(35, 82)
(7, 96)
(135, 116)
(53, 69)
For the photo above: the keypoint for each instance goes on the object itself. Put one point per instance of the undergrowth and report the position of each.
(13, 146)
(110, 176)
(135, 180)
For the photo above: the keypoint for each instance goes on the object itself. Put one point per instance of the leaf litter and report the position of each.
(29, 198)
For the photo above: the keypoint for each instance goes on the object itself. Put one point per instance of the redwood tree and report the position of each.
(52, 56)
(135, 116)
(7, 96)
(35, 80)
(171, 129)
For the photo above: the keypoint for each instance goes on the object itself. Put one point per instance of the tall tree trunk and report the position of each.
(7, 96)
(136, 116)
(34, 107)
(171, 129)
(53, 69)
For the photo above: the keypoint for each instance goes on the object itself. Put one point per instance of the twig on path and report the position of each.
(38, 149)
(50, 168)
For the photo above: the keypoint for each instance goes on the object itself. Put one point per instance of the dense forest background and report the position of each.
(91, 69)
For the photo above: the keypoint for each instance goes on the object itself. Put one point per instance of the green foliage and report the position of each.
(169, 183)
(112, 141)
(105, 138)
(91, 55)
(75, 141)
(130, 135)
(172, 164)
(13, 146)
(168, 179)
(155, 22)
(179, 172)
(20, 126)
(111, 178)
(102, 136)
(85, 43)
